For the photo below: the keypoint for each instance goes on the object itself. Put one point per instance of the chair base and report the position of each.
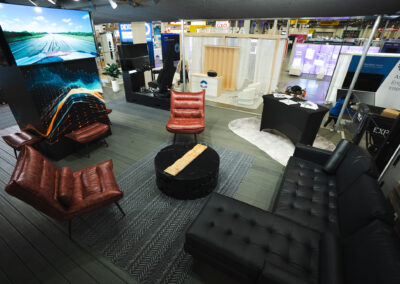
(195, 138)
(70, 221)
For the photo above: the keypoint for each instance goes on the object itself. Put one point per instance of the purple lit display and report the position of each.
(314, 57)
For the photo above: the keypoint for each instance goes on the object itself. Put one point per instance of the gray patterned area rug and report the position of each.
(148, 241)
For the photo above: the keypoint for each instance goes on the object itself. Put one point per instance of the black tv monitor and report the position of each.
(365, 82)
(133, 50)
(170, 47)
(133, 56)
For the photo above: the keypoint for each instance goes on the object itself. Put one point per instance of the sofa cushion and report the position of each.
(337, 156)
(307, 196)
(362, 202)
(372, 255)
(331, 259)
(248, 243)
(356, 163)
(66, 188)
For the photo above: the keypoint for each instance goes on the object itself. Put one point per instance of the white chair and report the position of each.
(321, 74)
(257, 86)
(295, 70)
(247, 96)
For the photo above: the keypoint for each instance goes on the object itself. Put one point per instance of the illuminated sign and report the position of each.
(222, 24)
(149, 32)
(125, 31)
(299, 22)
(328, 23)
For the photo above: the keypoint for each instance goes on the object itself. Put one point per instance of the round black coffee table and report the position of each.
(197, 180)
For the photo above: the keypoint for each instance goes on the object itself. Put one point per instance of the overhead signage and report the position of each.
(299, 22)
(222, 24)
(332, 18)
(328, 23)
(125, 31)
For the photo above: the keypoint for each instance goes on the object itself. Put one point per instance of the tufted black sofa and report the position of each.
(330, 224)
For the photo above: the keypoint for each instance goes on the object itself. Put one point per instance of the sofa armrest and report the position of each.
(331, 259)
(312, 154)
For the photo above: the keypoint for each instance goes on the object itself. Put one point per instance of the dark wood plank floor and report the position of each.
(36, 249)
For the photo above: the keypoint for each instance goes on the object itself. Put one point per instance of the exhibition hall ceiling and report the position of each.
(172, 10)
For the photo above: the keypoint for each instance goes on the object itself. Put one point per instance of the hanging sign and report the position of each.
(299, 22)
(125, 31)
(222, 24)
(328, 23)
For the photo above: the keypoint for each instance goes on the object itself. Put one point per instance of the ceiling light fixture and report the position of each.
(113, 4)
(33, 3)
(52, 2)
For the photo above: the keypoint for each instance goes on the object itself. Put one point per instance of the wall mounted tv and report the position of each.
(133, 56)
(42, 35)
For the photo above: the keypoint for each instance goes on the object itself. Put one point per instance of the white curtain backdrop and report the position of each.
(339, 74)
(244, 59)
(280, 53)
(263, 66)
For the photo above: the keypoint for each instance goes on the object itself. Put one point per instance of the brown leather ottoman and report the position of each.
(18, 140)
(89, 133)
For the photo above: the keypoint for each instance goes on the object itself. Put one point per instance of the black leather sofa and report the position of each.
(330, 224)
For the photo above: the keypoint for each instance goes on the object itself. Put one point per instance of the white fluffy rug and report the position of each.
(278, 147)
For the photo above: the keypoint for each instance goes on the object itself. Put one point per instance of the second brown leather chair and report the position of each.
(61, 193)
(187, 113)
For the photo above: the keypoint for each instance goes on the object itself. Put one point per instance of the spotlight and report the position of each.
(113, 4)
(52, 2)
(32, 2)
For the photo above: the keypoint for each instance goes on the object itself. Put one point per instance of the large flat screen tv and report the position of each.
(133, 56)
(365, 81)
(42, 35)
(170, 47)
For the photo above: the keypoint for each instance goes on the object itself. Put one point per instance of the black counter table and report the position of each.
(299, 124)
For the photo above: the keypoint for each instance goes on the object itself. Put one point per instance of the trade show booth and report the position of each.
(241, 60)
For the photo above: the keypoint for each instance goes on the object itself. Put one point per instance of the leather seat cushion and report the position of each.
(372, 255)
(307, 195)
(66, 188)
(89, 133)
(356, 162)
(361, 203)
(35, 181)
(20, 139)
(246, 241)
(94, 187)
(185, 125)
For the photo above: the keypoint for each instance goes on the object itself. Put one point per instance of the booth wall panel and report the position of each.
(224, 60)
(66, 96)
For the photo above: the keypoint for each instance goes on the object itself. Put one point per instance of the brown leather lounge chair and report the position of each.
(187, 113)
(61, 193)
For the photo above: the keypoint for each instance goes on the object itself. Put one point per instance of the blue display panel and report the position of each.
(125, 33)
(41, 35)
